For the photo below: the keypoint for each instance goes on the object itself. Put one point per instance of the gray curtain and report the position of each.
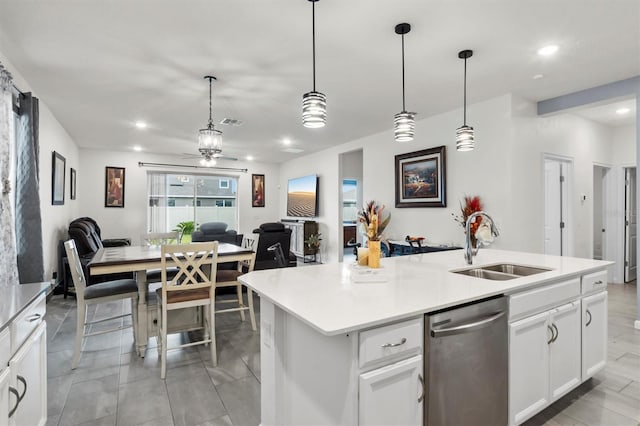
(28, 215)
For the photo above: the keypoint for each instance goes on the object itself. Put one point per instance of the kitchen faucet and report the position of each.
(469, 251)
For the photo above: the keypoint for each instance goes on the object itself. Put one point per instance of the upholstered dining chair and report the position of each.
(229, 278)
(192, 286)
(97, 293)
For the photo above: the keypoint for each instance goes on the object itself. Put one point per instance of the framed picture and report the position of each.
(57, 179)
(114, 187)
(420, 178)
(257, 190)
(72, 181)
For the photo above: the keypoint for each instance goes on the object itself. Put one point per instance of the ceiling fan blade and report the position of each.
(224, 157)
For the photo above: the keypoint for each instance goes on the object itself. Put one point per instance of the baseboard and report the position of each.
(637, 324)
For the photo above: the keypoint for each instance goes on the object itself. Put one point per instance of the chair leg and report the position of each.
(163, 356)
(134, 320)
(80, 324)
(212, 332)
(159, 330)
(252, 313)
(240, 300)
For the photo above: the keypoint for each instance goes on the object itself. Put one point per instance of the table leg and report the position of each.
(142, 334)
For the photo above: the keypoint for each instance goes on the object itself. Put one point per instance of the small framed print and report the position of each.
(57, 179)
(114, 187)
(72, 183)
(257, 190)
(420, 178)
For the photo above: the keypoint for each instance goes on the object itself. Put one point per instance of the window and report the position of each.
(349, 200)
(180, 198)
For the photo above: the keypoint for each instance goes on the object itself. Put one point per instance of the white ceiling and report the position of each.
(100, 65)
(607, 114)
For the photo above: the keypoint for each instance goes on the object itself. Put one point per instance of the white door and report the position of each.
(29, 376)
(556, 206)
(594, 334)
(630, 260)
(564, 355)
(529, 341)
(392, 395)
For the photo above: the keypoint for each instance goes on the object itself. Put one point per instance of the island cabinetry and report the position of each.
(594, 334)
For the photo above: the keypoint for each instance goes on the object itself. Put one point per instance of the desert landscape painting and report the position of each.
(301, 197)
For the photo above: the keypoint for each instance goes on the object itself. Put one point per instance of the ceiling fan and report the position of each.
(209, 156)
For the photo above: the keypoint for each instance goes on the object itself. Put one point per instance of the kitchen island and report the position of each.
(320, 331)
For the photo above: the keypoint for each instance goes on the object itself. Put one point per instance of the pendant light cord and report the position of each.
(210, 119)
(464, 119)
(403, 108)
(313, 38)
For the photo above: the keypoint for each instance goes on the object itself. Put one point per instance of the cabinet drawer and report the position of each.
(391, 342)
(27, 321)
(5, 348)
(594, 282)
(539, 299)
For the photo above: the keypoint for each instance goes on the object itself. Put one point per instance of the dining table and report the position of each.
(139, 260)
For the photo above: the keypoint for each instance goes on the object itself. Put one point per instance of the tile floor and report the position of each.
(112, 386)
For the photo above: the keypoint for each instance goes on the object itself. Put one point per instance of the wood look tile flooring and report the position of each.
(113, 386)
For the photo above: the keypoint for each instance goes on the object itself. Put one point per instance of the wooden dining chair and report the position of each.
(192, 286)
(158, 239)
(229, 278)
(97, 293)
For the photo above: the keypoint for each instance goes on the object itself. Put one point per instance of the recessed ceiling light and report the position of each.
(286, 141)
(249, 158)
(622, 111)
(538, 76)
(141, 125)
(548, 50)
(137, 148)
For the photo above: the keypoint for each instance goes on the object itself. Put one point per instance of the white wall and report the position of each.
(53, 137)
(624, 142)
(130, 221)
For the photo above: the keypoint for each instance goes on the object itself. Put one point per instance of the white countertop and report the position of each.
(16, 297)
(324, 297)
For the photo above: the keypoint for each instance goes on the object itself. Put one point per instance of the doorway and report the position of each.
(558, 172)
(350, 199)
(604, 228)
(630, 225)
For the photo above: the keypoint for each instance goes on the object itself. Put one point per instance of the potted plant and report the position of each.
(313, 243)
(185, 229)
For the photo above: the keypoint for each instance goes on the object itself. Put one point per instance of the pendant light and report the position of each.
(209, 138)
(403, 122)
(314, 104)
(464, 133)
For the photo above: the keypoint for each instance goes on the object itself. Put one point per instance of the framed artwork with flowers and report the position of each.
(420, 178)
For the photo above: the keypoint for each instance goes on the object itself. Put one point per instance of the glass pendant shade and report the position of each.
(314, 109)
(209, 141)
(404, 126)
(464, 138)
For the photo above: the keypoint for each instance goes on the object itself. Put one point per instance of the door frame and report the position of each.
(623, 202)
(569, 205)
(610, 218)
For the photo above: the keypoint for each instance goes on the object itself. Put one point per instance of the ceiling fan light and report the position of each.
(314, 110)
(464, 138)
(404, 126)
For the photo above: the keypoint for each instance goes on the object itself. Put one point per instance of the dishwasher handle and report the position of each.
(467, 327)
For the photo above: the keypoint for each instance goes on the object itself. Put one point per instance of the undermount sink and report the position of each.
(501, 272)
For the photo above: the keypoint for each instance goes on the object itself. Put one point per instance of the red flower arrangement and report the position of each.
(469, 206)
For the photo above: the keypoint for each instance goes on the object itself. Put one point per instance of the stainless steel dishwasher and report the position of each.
(466, 365)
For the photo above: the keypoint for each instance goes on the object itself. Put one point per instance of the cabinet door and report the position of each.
(594, 334)
(392, 395)
(6, 402)
(29, 376)
(564, 355)
(528, 367)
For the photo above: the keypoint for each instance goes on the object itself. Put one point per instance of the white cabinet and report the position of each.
(6, 402)
(544, 359)
(392, 395)
(594, 334)
(28, 369)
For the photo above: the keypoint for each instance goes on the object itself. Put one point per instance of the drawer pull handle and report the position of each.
(590, 318)
(598, 282)
(393, 345)
(34, 317)
(552, 335)
(15, 407)
(421, 398)
(24, 382)
(557, 332)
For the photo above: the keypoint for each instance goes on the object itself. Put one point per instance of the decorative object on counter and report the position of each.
(363, 256)
(366, 274)
(420, 178)
(403, 122)
(257, 190)
(373, 223)
(314, 104)
(482, 238)
(464, 133)
(57, 179)
(185, 229)
(469, 205)
(114, 187)
(209, 138)
(72, 183)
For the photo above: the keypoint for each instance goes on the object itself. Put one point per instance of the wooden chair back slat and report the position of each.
(196, 265)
